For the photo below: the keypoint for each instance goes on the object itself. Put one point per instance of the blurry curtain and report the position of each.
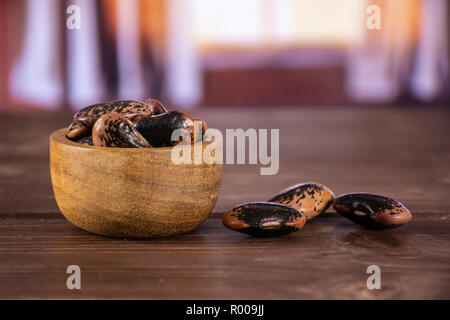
(407, 56)
(131, 82)
(184, 84)
(431, 72)
(133, 49)
(85, 81)
(114, 55)
(37, 76)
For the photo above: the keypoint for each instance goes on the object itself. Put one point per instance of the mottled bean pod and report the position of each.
(311, 199)
(157, 130)
(114, 130)
(84, 119)
(156, 105)
(372, 211)
(263, 219)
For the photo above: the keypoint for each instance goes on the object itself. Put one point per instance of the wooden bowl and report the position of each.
(128, 192)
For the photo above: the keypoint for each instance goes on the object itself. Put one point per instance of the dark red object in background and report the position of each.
(275, 87)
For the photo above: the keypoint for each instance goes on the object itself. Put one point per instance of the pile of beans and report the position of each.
(132, 124)
(289, 210)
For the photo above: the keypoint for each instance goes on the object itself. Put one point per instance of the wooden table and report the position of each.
(403, 153)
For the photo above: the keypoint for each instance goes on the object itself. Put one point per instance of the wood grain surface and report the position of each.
(402, 153)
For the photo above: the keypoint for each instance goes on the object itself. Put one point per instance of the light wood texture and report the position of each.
(131, 192)
(403, 153)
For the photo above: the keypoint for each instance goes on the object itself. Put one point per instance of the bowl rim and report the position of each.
(59, 136)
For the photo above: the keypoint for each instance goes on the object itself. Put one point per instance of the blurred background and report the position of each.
(214, 53)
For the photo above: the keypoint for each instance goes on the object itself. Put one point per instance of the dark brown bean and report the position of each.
(157, 130)
(311, 199)
(156, 105)
(263, 219)
(86, 140)
(114, 130)
(372, 211)
(84, 119)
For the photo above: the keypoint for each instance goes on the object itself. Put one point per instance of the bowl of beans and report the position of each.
(113, 171)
